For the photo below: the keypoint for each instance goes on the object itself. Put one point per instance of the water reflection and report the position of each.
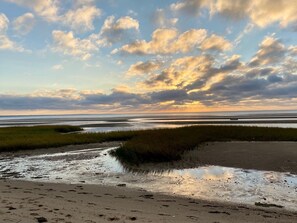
(96, 166)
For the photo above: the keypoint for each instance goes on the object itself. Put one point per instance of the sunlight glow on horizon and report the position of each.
(98, 57)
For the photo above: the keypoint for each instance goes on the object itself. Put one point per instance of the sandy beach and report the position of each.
(28, 202)
(25, 201)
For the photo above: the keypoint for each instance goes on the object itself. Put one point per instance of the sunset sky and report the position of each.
(106, 56)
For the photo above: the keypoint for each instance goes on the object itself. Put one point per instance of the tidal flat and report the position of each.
(223, 174)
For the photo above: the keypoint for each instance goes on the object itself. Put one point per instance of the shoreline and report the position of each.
(60, 202)
(61, 149)
(30, 201)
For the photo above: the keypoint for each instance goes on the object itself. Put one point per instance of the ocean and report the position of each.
(126, 122)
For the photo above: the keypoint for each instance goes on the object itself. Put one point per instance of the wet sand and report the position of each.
(271, 156)
(28, 202)
(24, 201)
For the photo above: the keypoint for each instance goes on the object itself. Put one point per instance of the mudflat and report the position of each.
(33, 202)
(24, 201)
(271, 156)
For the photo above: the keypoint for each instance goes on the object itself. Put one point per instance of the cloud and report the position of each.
(236, 9)
(167, 41)
(48, 9)
(189, 6)
(293, 50)
(67, 44)
(216, 43)
(180, 73)
(237, 88)
(81, 19)
(58, 67)
(191, 73)
(186, 82)
(247, 29)
(271, 51)
(177, 95)
(160, 19)
(143, 68)
(3, 23)
(266, 12)
(161, 39)
(260, 12)
(119, 98)
(114, 30)
(24, 24)
(111, 32)
(69, 93)
(5, 42)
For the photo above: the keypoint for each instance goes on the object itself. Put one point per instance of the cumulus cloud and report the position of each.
(114, 30)
(111, 32)
(189, 6)
(143, 67)
(66, 43)
(160, 19)
(48, 9)
(260, 12)
(80, 18)
(265, 12)
(161, 39)
(167, 41)
(186, 81)
(5, 42)
(180, 73)
(216, 43)
(271, 51)
(24, 24)
(231, 9)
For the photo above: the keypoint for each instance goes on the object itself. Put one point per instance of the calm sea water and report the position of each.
(115, 122)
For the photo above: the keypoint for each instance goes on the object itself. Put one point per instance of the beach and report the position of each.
(28, 202)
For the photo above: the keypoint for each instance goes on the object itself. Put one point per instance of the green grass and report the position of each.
(23, 138)
(158, 145)
(169, 144)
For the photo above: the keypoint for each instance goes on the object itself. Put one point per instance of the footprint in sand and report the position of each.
(113, 219)
(162, 214)
(192, 217)
(147, 196)
(219, 212)
(132, 218)
(41, 219)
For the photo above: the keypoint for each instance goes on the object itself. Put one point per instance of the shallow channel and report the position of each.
(216, 183)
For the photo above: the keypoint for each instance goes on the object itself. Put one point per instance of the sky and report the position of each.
(130, 56)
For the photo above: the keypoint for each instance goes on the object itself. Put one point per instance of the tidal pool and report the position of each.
(216, 183)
